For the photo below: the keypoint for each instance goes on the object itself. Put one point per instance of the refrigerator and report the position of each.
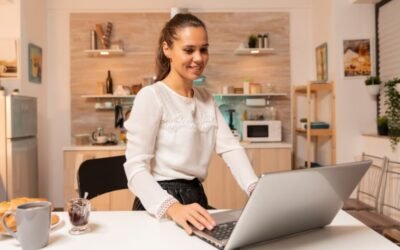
(18, 147)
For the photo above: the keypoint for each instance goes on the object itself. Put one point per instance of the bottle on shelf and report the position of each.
(109, 83)
(260, 41)
(93, 40)
(270, 112)
(266, 40)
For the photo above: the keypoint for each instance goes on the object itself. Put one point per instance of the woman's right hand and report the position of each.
(193, 213)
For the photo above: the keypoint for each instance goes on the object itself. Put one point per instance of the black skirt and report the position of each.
(185, 191)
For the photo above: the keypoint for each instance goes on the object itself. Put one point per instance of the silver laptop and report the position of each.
(286, 203)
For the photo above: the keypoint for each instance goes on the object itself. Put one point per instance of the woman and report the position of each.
(174, 129)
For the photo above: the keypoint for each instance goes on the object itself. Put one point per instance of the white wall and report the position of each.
(332, 22)
(355, 109)
(160, 5)
(59, 58)
(26, 22)
(321, 27)
(33, 30)
(9, 19)
(10, 28)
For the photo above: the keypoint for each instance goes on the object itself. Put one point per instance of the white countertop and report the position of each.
(138, 230)
(123, 146)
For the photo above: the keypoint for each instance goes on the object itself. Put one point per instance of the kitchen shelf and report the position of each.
(251, 95)
(9, 75)
(105, 108)
(316, 132)
(314, 87)
(314, 93)
(108, 96)
(104, 52)
(254, 51)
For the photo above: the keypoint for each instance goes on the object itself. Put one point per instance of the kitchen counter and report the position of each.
(94, 147)
(123, 146)
(221, 188)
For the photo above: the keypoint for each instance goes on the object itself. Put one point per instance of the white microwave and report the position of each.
(262, 131)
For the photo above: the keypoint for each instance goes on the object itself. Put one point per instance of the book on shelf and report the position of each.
(317, 125)
(101, 36)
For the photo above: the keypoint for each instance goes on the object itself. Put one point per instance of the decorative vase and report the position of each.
(373, 89)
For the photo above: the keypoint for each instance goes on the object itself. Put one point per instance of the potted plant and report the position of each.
(373, 85)
(252, 41)
(392, 103)
(382, 122)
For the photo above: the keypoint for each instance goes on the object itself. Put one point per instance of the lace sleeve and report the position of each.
(164, 207)
(251, 188)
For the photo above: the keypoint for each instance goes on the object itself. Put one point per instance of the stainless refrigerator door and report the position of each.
(21, 115)
(22, 167)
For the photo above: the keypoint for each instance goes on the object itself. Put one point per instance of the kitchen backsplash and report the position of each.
(139, 33)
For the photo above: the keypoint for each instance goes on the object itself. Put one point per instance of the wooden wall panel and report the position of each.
(139, 32)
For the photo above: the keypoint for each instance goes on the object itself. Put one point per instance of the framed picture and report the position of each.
(8, 58)
(321, 53)
(356, 58)
(35, 63)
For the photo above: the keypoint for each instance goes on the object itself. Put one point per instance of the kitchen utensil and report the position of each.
(231, 111)
(119, 116)
(101, 139)
(99, 132)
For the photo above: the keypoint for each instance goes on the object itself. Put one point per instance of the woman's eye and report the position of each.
(204, 50)
(188, 51)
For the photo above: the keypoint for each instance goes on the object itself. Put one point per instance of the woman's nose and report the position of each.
(197, 56)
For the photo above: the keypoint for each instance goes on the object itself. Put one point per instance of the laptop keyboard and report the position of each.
(221, 231)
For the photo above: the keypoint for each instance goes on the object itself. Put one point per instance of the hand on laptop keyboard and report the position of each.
(193, 213)
(222, 231)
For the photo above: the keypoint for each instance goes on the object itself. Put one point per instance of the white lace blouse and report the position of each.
(173, 137)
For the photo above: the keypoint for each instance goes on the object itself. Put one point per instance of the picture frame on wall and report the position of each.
(321, 53)
(8, 58)
(35, 63)
(356, 58)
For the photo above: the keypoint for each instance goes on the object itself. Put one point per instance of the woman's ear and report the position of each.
(166, 49)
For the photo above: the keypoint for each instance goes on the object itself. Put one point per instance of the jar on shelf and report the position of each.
(270, 112)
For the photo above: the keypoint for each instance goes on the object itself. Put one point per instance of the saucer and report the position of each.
(108, 143)
(52, 227)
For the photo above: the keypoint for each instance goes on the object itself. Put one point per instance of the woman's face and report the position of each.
(189, 53)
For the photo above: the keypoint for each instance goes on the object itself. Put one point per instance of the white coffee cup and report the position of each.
(101, 139)
(33, 224)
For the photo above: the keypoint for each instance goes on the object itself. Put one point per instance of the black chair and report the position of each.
(102, 175)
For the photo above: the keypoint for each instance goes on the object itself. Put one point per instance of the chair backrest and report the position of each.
(370, 188)
(102, 175)
(390, 205)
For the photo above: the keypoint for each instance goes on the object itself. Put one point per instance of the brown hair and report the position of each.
(168, 35)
